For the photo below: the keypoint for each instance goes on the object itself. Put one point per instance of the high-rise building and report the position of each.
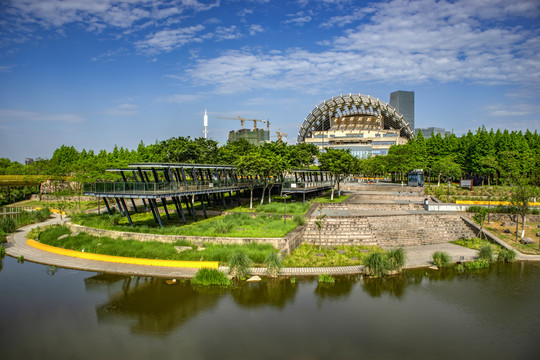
(255, 136)
(427, 132)
(403, 102)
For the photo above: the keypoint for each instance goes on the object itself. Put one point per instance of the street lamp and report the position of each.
(489, 205)
(284, 209)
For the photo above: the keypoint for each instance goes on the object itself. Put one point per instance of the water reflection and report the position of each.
(149, 306)
(274, 293)
(340, 289)
(394, 286)
(155, 307)
(491, 313)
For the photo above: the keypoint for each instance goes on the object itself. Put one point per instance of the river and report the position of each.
(51, 313)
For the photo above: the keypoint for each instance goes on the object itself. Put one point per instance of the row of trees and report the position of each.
(88, 166)
(496, 156)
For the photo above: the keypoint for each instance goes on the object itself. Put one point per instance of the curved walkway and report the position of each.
(417, 256)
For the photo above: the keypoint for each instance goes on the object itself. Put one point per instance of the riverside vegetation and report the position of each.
(147, 249)
(9, 225)
(231, 225)
(233, 255)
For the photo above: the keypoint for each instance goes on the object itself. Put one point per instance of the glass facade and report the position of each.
(403, 102)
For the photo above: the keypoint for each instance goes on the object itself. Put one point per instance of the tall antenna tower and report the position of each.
(205, 123)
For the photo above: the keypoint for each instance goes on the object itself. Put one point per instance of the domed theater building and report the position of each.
(364, 124)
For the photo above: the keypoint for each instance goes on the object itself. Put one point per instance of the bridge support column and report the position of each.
(107, 205)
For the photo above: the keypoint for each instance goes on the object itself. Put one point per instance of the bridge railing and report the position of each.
(161, 187)
(14, 211)
(305, 184)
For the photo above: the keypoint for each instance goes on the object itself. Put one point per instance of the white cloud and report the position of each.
(342, 20)
(122, 110)
(254, 28)
(399, 41)
(6, 68)
(244, 12)
(227, 33)
(8, 115)
(110, 55)
(299, 18)
(512, 110)
(168, 40)
(29, 16)
(179, 98)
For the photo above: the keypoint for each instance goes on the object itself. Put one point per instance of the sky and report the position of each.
(100, 73)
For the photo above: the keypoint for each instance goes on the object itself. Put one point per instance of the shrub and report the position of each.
(41, 215)
(441, 259)
(506, 255)
(239, 264)
(115, 218)
(8, 225)
(300, 220)
(273, 264)
(210, 277)
(325, 278)
(477, 264)
(486, 253)
(223, 226)
(375, 263)
(2, 252)
(395, 259)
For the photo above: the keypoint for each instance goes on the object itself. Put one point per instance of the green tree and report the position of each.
(248, 167)
(520, 198)
(302, 155)
(446, 168)
(64, 159)
(232, 150)
(340, 163)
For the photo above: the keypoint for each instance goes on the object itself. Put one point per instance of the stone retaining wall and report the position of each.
(285, 244)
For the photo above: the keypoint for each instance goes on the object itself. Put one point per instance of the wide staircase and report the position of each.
(386, 220)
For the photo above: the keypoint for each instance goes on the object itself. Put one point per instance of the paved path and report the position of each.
(17, 246)
(417, 256)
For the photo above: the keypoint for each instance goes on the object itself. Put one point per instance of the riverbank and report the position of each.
(17, 246)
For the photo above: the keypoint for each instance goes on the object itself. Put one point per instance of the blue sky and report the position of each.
(94, 74)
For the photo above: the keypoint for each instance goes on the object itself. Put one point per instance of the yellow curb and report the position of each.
(52, 210)
(122, 259)
(478, 202)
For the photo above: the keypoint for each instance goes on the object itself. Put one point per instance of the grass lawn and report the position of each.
(307, 256)
(275, 207)
(72, 206)
(530, 231)
(304, 256)
(147, 249)
(232, 225)
(326, 198)
(476, 244)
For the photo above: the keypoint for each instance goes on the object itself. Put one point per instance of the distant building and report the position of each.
(359, 137)
(255, 137)
(427, 132)
(360, 123)
(28, 161)
(403, 102)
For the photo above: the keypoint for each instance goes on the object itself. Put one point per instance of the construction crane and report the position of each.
(280, 134)
(255, 121)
